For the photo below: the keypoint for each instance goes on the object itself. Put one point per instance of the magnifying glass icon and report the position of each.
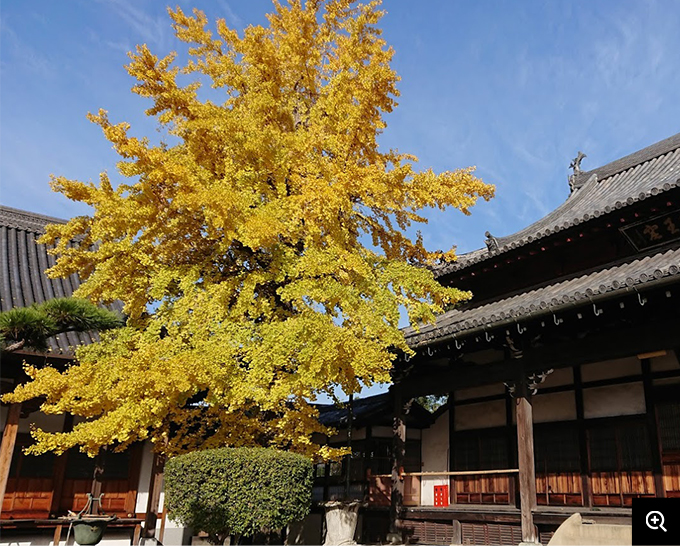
(655, 520)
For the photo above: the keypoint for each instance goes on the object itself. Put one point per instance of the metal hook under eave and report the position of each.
(556, 320)
(487, 336)
(641, 299)
(597, 311)
(430, 352)
(407, 357)
(459, 346)
(520, 330)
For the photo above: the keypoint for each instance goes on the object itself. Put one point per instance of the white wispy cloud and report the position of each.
(154, 30)
(230, 16)
(20, 52)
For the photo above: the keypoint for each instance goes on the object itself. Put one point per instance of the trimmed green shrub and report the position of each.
(238, 491)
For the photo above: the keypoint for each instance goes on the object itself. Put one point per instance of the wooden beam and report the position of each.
(459, 473)
(605, 345)
(56, 539)
(527, 472)
(653, 428)
(398, 452)
(9, 438)
(153, 502)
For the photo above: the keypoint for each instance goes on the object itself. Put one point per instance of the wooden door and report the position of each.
(30, 484)
(557, 459)
(668, 414)
(620, 461)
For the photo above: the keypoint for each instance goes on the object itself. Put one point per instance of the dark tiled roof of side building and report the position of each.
(372, 410)
(606, 282)
(23, 262)
(645, 173)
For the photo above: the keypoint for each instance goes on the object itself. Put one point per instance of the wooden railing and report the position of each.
(465, 486)
(556, 489)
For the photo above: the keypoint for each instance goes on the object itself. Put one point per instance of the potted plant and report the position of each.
(89, 526)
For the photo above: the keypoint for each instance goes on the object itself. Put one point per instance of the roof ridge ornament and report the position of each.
(491, 243)
(576, 166)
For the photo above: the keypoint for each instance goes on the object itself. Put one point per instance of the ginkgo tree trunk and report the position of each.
(261, 252)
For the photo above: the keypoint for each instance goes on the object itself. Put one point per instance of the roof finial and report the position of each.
(576, 162)
(491, 242)
(576, 166)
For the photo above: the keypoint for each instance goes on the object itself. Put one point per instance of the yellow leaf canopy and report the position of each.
(261, 251)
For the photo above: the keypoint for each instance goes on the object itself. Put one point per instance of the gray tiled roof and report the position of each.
(372, 410)
(648, 172)
(22, 271)
(609, 281)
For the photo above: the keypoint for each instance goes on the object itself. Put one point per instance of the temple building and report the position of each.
(562, 376)
(38, 490)
(562, 373)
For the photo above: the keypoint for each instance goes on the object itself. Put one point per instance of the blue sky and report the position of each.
(515, 88)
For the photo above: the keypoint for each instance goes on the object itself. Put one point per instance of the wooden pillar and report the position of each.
(96, 488)
(584, 453)
(525, 458)
(452, 453)
(153, 502)
(510, 441)
(368, 457)
(60, 470)
(348, 460)
(398, 451)
(653, 429)
(9, 438)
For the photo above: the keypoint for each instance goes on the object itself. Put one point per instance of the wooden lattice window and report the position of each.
(556, 448)
(30, 466)
(620, 446)
(669, 425)
(481, 450)
(380, 456)
(116, 465)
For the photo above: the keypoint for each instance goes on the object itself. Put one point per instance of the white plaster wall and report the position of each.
(666, 381)
(559, 377)
(144, 478)
(48, 423)
(481, 415)
(435, 457)
(611, 368)
(625, 399)
(557, 406)
(382, 432)
(663, 363)
(413, 433)
(341, 436)
(358, 433)
(476, 392)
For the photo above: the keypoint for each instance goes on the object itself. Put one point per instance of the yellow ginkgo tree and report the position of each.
(261, 251)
